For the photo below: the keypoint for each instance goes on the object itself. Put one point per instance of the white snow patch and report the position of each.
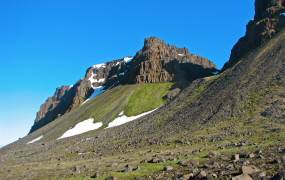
(99, 65)
(122, 119)
(35, 140)
(97, 91)
(82, 127)
(181, 55)
(216, 72)
(121, 74)
(128, 59)
(93, 80)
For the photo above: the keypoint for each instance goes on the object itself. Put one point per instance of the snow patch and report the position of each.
(99, 65)
(82, 127)
(128, 59)
(93, 80)
(35, 140)
(181, 55)
(122, 119)
(97, 91)
(216, 72)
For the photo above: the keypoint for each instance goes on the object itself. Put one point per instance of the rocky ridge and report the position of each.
(156, 62)
(269, 19)
(67, 98)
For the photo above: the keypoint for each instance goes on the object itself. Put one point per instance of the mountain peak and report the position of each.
(158, 61)
(153, 42)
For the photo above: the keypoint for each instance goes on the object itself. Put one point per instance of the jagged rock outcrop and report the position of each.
(161, 62)
(52, 102)
(269, 19)
(156, 62)
(67, 98)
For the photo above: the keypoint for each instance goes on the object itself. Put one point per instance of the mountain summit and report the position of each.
(156, 62)
(161, 62)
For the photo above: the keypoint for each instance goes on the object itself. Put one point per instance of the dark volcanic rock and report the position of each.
(160, 62)
(52, 102)
(67, 98)
(268, 21)
(156, 62)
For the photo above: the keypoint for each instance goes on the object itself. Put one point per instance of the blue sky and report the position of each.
(45, 44)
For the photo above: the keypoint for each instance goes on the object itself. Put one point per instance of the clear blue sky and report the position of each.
(45, 44)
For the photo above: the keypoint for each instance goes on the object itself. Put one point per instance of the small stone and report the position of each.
(154, 160)
(187, 176)
(245, 163)
(214, 175)
(168, 168)
(251, 155)
(182, 163)
(262, 175)
(202, 174)
(213, 154)
(249, 169)
(129, 168)
(242, 177)
(236, 157)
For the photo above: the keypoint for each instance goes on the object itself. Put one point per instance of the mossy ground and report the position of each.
(147, 97)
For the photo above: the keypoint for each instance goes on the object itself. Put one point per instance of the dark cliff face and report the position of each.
(160, 62)
(156, 62)
(268, 21)
(67, 98)
(52, 102)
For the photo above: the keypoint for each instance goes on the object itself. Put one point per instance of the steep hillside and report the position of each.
(269, 19)
(225, 126)
(238, 113)
(162, 63)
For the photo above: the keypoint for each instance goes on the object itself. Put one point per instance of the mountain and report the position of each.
(224, 126)
(160, 62)
(67, 98)
(156, 62)
(269, 19)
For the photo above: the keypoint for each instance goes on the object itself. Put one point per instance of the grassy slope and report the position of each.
(133, 99)
(147, 97)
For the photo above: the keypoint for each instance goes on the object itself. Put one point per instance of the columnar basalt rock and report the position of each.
(161, 62)
(269, 19)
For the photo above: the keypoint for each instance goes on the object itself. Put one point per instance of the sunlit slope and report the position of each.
(132, 99)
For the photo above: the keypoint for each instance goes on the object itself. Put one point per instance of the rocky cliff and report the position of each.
(161, 62)
(67, 98)
(156, 62)
(269, 19)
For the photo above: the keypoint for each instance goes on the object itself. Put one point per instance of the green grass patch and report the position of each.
(147, 97)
